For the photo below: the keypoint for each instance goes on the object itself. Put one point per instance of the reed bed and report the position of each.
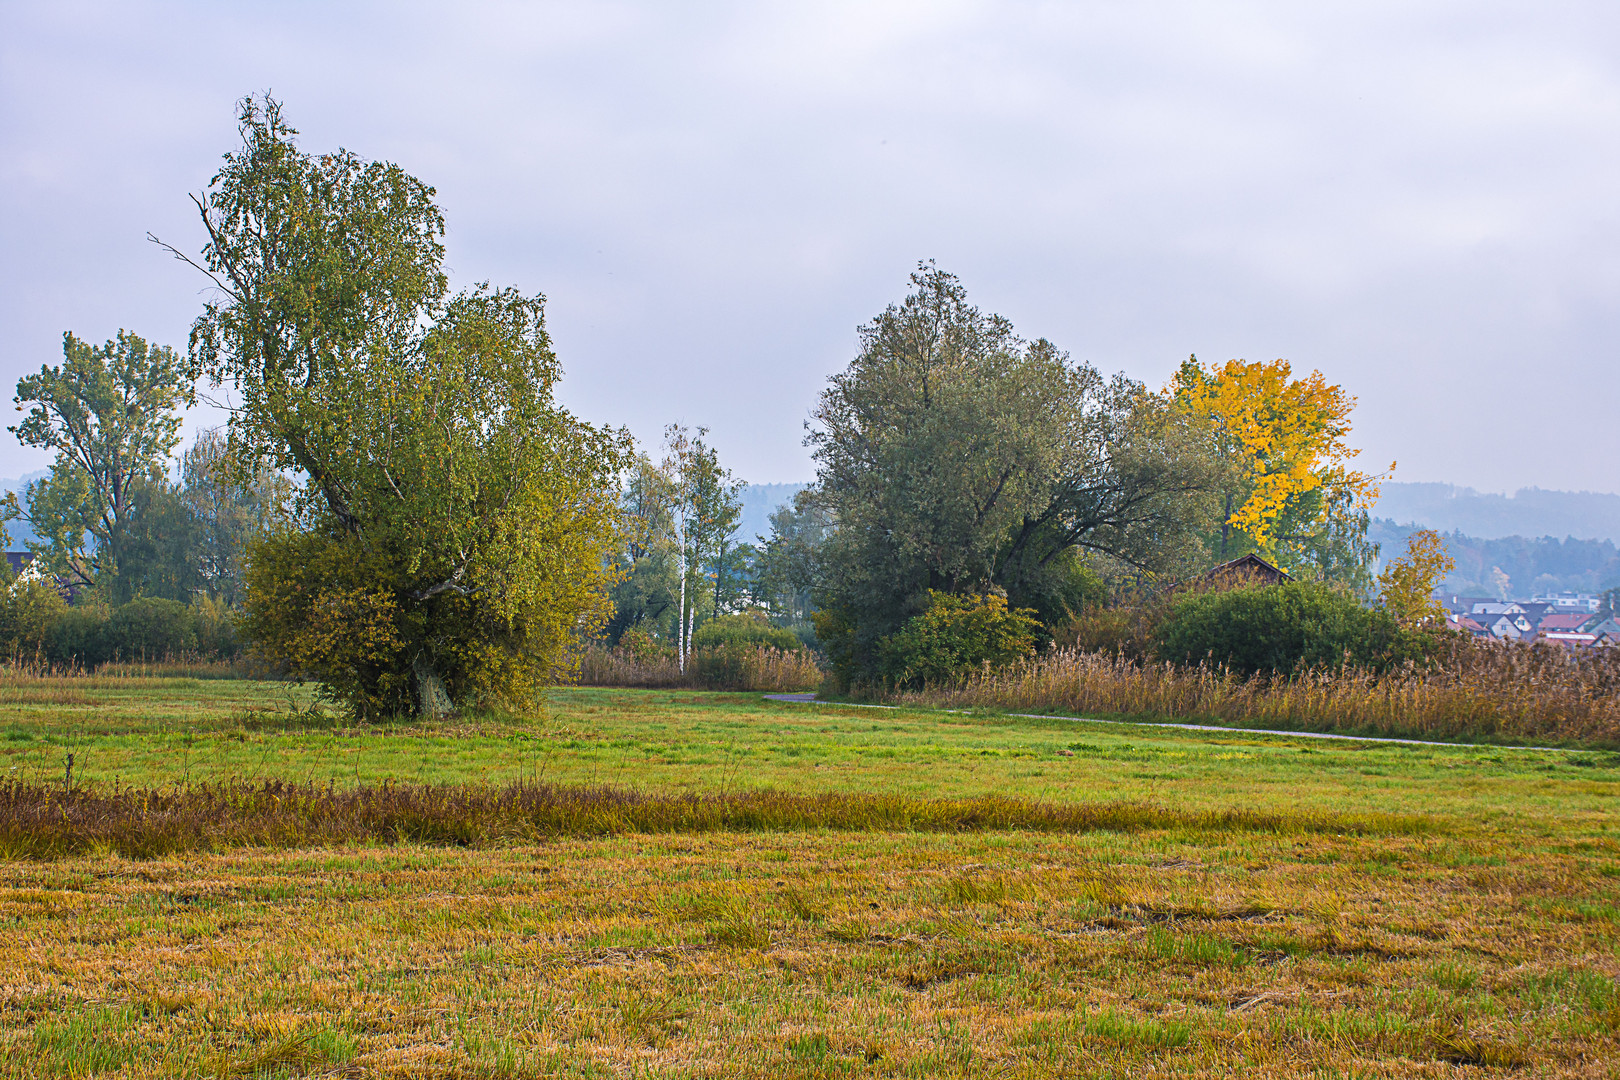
(42, 822)
(31, 672)
(729, 668)
(1516, 693)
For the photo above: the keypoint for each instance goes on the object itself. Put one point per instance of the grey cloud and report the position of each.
(1415, 198)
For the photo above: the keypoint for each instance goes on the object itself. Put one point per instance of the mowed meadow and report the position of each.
(1124, 900)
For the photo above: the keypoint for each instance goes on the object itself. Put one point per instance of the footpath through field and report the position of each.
(811, 699)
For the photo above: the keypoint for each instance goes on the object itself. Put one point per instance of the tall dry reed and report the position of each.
(1516, 693)
(725, 668)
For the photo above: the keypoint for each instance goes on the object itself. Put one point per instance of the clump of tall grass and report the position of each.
(47, 821)
(1510, 693)
(727, 667)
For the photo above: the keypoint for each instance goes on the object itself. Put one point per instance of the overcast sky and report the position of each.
(1417, 198)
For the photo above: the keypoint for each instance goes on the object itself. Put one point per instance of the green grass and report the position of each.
(165, 731)
(1486, 941)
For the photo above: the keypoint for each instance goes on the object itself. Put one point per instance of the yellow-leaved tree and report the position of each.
(1283, 442)
(1406, 586)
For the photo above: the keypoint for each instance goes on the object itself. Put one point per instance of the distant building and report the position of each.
(1496, 607)
(1572, 641)
(1569, 601)
(25, 568)
(1536, 609)
(1603, 628)
(1248, 570)
(1564, 622)
(1464, 605)
(1505, 626)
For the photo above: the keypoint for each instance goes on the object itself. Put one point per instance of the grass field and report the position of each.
(1480, 936)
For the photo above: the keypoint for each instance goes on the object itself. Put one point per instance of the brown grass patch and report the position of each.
(38, 821)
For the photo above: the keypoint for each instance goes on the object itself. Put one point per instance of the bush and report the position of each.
(28, 610)
(1283, 628)
(956, 635)
(151, 629)
(216, 628)
(743, 631)
(79, 636)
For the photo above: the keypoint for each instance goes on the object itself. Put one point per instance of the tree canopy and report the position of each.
(1287, 488)
(955, 457)
(452, 526)
(111, 414)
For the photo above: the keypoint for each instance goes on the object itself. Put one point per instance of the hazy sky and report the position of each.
(1418, 198)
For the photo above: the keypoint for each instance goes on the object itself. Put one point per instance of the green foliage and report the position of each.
(215, 624)
(158, 555)
(957, 634)
(232, 503)
(145, 629)
(111, 415)
(1284, 628)
(79, 636)
(150, 628)
(743, 631)
(955, 456)
(785, 571)
(29, 607)
(678, 565)
(449, 507)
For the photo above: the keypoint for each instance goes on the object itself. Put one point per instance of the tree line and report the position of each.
(399, 509)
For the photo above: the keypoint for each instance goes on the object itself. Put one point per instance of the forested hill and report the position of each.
(1528, 512)
(1533, 565)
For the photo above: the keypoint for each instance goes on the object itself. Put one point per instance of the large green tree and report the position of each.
(111, 414)
(453, 524)
(956, 457)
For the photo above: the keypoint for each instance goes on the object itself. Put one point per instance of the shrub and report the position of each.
(1283, 628)
(956, 635)
(79, 636)
(643, 648)
(743, 631)
(151, 629)
(28, 610)
(216, 628)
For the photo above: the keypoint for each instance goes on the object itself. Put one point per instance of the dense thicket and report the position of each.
(1282, 629)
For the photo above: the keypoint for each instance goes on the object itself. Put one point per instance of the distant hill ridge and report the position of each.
(1530, 512)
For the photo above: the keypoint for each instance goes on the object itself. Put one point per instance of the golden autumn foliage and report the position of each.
(1406, 586)
(1284, 440)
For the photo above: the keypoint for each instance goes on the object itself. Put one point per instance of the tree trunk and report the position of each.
(680, 623)
(1226, 526)
(719, 576)
(432, 701)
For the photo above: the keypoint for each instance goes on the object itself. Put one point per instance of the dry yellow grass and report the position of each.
(1491, 693)
(810, 955)
(1485, 943)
